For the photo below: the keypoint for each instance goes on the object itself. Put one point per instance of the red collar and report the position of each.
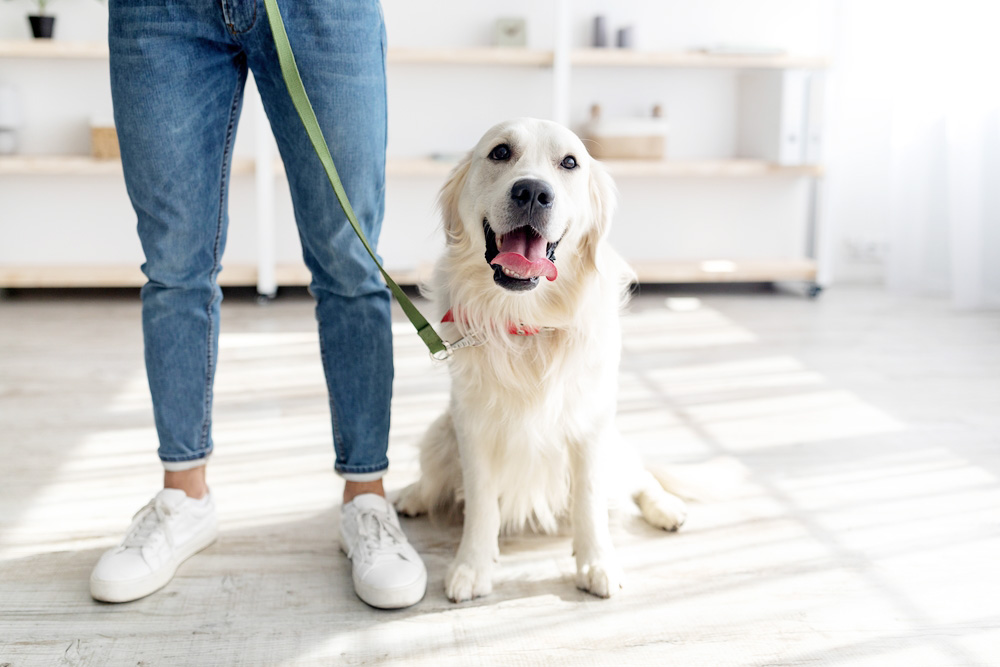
(513, 329)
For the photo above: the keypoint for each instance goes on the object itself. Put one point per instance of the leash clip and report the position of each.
(449, 348)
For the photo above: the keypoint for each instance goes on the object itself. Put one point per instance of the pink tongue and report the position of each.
(524, 254)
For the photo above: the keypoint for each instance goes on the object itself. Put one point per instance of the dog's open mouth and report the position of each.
(520, 257)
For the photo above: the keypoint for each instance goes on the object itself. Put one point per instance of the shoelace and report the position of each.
(376, 533)
(146, 521)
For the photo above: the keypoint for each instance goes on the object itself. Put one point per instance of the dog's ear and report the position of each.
(448, 201)
(603, 201)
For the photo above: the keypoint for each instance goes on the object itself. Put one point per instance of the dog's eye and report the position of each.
(569, 162)
(501, 153)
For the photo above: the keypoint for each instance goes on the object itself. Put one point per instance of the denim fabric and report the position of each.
(178, 69)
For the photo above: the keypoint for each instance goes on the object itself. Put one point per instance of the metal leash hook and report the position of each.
(449, 348)
(442, 355)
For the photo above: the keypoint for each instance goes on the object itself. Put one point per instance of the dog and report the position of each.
(529, 436)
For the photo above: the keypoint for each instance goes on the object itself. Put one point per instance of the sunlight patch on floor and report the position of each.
(814, 417)
(660, 329)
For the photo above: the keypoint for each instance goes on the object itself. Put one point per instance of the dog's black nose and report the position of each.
(531, 192)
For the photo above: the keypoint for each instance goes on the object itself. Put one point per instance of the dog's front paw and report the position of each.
(602, 578)
(410, 501)
(465, 582)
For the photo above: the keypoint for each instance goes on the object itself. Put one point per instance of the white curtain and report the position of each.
(944, 165)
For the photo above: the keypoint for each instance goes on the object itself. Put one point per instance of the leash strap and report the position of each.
(438, 348)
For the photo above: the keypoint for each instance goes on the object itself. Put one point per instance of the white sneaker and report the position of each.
(167, 531)
(387, 571)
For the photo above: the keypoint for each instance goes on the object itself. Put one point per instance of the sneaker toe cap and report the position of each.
(392, 573)
(119, 565)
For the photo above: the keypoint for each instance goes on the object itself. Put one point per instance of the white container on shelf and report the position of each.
(779, 116)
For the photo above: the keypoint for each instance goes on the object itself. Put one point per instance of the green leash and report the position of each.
(438, 348)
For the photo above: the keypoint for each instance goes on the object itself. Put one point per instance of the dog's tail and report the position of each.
(716, 479)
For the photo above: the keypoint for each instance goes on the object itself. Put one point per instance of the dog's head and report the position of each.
(528, 206)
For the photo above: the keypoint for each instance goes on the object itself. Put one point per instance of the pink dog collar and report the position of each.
(512, 329)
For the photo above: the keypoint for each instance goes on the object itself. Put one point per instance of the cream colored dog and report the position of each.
(530, 436)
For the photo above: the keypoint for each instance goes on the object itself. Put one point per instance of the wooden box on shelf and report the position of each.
(104, 142)
(626, 138)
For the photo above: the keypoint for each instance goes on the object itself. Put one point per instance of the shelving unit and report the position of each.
(268, 274)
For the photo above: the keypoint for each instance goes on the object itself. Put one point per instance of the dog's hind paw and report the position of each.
(410, 501)
(600, 578)
(465, 582)
(663, 510)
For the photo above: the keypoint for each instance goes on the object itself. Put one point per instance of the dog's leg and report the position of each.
(470, 574)
(597, 568)
(440, 474)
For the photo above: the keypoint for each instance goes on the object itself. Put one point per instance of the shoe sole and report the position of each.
(127, 591)
(392, 598)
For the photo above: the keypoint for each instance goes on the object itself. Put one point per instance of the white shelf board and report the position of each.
(610, 57)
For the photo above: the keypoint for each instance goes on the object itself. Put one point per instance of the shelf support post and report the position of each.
(561, 63)
(264, 177)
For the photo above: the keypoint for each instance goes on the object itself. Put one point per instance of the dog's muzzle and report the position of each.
(520, 257)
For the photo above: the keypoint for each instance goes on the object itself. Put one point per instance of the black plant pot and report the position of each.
(41, 26)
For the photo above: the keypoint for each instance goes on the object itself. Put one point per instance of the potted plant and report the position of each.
(41, 23)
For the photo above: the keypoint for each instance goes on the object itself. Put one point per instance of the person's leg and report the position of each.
(339, 49)
(177, 80)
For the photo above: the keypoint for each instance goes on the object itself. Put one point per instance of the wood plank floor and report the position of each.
(848, 452)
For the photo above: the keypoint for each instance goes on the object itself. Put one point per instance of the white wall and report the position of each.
(858, 138)
(444, 110)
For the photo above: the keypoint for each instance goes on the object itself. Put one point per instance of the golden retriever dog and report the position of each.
(529, 437)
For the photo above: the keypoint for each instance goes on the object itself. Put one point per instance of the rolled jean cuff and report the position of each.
(178, 466)
(362, 476)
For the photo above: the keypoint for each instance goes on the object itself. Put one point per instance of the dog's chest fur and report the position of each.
(526, 405)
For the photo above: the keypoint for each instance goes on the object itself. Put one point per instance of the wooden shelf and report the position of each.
(80, 165)
(104, 275)
(64, 165)
(466, 56)
(478, 56)
(729, 168)
(726, 271)
(696, 59)
(52, 48)
(57, 165)
(732, 168)
(471, 56)
(290, 275)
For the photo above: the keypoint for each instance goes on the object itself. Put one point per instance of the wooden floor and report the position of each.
(848, 450)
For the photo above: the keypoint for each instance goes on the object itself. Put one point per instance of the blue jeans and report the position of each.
(178, 68)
